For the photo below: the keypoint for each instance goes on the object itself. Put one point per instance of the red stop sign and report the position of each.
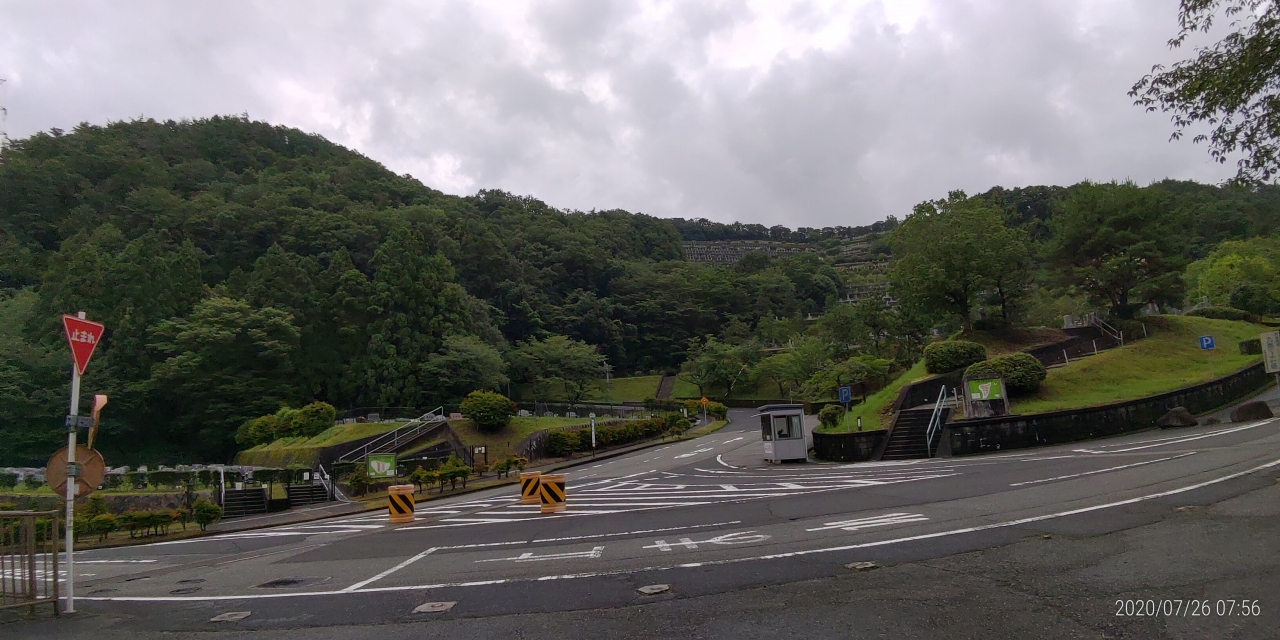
(83, 336)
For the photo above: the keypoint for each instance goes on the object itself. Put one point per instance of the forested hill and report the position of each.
(241, 266)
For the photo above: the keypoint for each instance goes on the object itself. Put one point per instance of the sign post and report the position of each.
(83, 337)
(1271, 353)
(704, 409)
(846, 396)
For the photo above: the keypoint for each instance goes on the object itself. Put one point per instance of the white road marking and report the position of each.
(593, 574)
(733, 440)
(1163, 442)
(1089, 473)
(741, 537)
(529, 556)
(874, 521)
(693, 453)
(720, 459)
(390, 571)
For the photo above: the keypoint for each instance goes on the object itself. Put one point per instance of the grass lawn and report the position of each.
(633, 389)
(304, 451)
(1002, 342)
(1170, 359)
(875, 411)
(499, 445)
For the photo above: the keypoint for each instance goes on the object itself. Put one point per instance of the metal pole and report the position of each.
(593, 436)
(71, 487)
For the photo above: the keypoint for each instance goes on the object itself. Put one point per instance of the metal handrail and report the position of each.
(935, 420)
(1097, 321)
(408, 431)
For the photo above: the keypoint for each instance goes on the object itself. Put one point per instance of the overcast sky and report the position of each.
(804, 114)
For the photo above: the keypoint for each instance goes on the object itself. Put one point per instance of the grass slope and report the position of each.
(499, 445)
(305, 451)
(875, 411)
(633, 389)
(1170, 359)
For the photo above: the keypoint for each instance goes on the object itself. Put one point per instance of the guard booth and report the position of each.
(782, 431)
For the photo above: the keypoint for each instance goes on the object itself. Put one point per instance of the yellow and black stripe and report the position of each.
(529, 487)
(400, 504)
(551, 493)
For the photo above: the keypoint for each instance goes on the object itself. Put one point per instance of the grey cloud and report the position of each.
(590, 104)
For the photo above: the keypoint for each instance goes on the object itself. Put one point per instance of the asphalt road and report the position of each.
(707, 517)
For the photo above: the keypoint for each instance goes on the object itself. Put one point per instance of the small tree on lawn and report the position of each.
(420, 476)
(359, 479)
(489, 410)
(204, 513)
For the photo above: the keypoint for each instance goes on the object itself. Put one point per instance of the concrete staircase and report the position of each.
(909, 438)
(244, 502)
(304, 494)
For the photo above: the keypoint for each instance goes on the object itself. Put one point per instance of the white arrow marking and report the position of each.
(693, 453)
(529, 557)
(741, 537)
(877, 521)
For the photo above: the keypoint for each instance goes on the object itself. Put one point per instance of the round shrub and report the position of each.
(830, 415)
(491, 411)
(1022, 372)
(312, 420)
(1252, 297)
(942, 357)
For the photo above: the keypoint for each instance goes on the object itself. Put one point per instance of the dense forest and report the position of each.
(241, 267)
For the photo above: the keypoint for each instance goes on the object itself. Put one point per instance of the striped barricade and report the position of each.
(400, 503)
(551, 493)
(529, 487)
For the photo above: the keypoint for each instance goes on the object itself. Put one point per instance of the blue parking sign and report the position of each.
(846, 394)
(1206, 342)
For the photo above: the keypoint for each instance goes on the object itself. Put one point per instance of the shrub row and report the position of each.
(610, 434)
(1222, 313)
(944, 357)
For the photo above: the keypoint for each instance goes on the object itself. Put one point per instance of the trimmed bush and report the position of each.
(717, 410)
(944, 357)
(205, 513)
(490, 411)
(830, 415)
(312, 420)
(1022, 372)
(1222, 313)
(8, 480)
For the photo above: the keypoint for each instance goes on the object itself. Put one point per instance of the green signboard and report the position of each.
(382, 465)
(985, 390)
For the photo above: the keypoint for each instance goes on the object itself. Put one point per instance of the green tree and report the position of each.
(715, 364)
(463, 365)
(1229, 85)
(490, 411)
(414, 303)
(559, 364)
(949, 251)
(1117, 243)
(222, 365)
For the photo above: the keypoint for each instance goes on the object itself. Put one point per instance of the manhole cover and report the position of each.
(289, 583)
(654, 589)
(183, 590)
(434, 607)
(97, 591)
(137, 578)
(191, 581)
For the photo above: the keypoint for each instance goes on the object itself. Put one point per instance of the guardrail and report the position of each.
(391, 441)
(29, 559)
(935, 421)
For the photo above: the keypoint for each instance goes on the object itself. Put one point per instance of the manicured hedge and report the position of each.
(944, 357)
(1022, 372)
(1222, 313)
(614, 433)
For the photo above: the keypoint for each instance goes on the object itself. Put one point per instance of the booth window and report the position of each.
(766, 429)
(788, 427)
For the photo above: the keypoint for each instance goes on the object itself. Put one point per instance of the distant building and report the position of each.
(731, 251)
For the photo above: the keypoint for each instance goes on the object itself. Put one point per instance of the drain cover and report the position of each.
(97, 591)
(434, 607)
(191, 581)
(137, 578)
(289, 583)
(185, 590)
(654, 589)
(862, 566)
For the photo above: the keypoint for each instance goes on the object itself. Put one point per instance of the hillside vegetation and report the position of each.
(1170, 359)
